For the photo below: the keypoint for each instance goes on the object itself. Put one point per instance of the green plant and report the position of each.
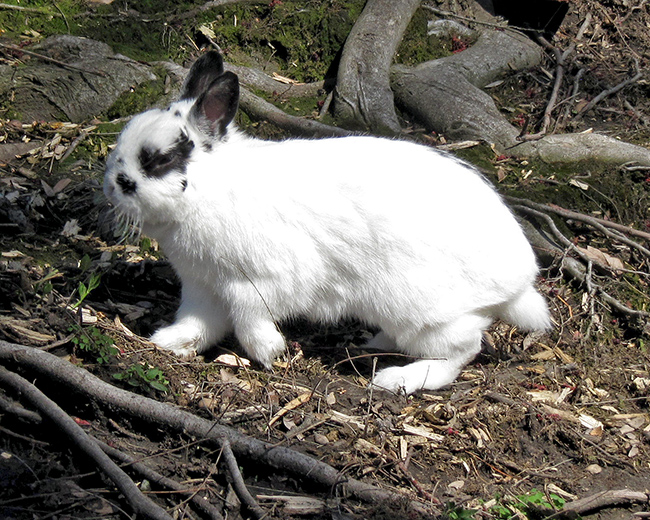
(460, 513)
(84, 290)
(144, 375)
(527, 504)
(94, 342)
(44, 285)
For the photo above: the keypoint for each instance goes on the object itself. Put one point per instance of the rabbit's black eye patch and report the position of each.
(127, 185)
(157, 163)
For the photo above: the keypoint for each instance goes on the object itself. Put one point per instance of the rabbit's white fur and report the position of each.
(395, 234)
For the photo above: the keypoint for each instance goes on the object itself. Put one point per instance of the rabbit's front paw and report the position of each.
(179, 338)
(261, 340)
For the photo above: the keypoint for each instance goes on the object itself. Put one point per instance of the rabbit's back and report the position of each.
(353, 226)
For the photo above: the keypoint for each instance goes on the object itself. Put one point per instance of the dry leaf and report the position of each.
(602, 258)
(232, 360)
(71, 228)
(49, 192)
(61, 185)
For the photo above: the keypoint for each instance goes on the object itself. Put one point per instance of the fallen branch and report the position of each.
(238, 483)
(549, 252)
(599, 224)
(140, 504)
(259, 109)
(171, 418)
(253, 78)
(153, 476)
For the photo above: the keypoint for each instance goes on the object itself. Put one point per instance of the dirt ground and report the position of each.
(537, 421)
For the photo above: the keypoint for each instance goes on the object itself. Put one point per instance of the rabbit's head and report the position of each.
(146, 174)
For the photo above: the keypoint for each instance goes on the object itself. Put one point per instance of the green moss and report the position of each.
(48, 21)
(139, 98)
(481, 156)
(417, 46)
(301, 40)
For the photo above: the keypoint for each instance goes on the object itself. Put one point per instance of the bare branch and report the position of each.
(611, 91)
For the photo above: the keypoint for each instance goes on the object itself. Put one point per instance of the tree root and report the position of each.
(363, 97)
(277, 458)
(140, 504)
(445, 96)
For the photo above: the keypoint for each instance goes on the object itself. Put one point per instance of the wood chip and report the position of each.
(292, 505)
(367, 447)
(421, 431)
(291, 405)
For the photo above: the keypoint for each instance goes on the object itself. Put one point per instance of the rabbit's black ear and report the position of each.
(204, 71)
(217, 106)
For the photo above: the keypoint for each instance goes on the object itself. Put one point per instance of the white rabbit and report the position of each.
(397, 235)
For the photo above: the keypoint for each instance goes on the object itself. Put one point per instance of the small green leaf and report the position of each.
(158, 386)
(85, 263)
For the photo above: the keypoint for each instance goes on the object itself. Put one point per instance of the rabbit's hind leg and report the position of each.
(382, 342)
(448, 348)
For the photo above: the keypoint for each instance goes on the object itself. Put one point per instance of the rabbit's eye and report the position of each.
(156, 163)
(127, 185)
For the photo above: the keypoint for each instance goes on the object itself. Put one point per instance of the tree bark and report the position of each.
(445, 96)
(363, 98)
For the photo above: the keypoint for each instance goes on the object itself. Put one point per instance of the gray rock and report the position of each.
(46, 91)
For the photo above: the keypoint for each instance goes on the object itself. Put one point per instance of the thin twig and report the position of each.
(28, 9)
(568, 265)
(611, 91)
(560, 59)
(598, 223)
(62, 16)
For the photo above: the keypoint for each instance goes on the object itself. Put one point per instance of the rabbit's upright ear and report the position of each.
(204, 71)
(217, 106)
